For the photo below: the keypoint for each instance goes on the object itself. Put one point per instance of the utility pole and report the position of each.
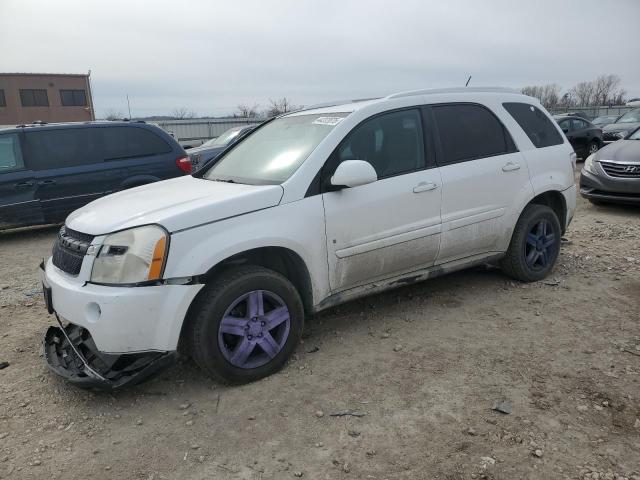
(129, 106)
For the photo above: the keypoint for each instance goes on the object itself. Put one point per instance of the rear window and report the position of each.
(80, 146)
(540, 130)
(469, 132)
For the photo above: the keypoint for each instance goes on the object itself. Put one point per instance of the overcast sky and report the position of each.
(210, 56)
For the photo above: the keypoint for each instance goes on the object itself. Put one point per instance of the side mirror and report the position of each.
(353, 173)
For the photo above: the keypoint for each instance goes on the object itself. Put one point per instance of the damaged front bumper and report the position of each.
(71, 353)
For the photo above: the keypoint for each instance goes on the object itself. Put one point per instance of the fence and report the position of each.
(202, 128)
(593, 112)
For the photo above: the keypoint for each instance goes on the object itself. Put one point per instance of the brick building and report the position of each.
(46, 97)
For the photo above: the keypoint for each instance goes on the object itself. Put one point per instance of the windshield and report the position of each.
(635, 135)
(272, 153)
(224, 138)
(630, 117)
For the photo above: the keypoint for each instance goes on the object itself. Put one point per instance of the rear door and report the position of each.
(18, 203)
(483, 179)
(69, 170)
(580, 135)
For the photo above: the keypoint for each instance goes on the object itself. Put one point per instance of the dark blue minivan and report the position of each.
(47, 171)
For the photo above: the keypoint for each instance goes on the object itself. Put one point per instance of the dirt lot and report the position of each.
(425, 364)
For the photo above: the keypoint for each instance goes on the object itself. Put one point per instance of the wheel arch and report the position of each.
(556, 202)
(277, 258)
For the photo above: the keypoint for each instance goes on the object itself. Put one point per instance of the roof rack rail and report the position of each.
(430, 91)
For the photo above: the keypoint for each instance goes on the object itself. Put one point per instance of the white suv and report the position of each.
(312, 209)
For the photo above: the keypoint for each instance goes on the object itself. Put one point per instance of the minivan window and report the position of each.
(126, 142)
(469, 132)
(10, 154)
(392, 143)
(274, 152)
(535, 124)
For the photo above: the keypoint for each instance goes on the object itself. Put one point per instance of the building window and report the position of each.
(73, 98)
(34, 98)
(3, 100)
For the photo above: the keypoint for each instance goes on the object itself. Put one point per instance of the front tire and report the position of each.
(534, 246)
(245, 324)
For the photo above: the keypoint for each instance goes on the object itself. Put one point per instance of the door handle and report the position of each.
(510, 167)
(24, 185)
(424, 187)
(47, 182)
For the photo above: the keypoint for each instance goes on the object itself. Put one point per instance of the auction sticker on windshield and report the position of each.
(331, 121)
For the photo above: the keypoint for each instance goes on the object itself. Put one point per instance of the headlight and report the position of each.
(589, 166)
(131, 256)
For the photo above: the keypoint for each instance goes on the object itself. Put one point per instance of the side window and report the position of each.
(128, 142)
(10, 153)
(391, 142)
(579, 124)
(535, 124)
(468, 132)
(59, 148)
(565, 125)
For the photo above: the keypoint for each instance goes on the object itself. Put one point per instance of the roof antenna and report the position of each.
(468, 80)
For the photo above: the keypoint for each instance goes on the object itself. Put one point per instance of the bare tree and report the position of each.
(183, 113)
(246, 111)
(549, 95)
(280, 106)
(604, 90)
(113, 114)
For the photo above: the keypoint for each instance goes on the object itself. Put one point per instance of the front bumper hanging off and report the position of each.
(71, 353)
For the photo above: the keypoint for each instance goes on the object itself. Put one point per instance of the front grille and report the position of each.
(621, 170)
(69, 250)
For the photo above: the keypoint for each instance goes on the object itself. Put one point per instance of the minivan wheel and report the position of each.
(534, 246)
(245, 324)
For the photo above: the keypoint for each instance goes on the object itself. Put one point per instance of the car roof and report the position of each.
(348, 106)
(60, 125)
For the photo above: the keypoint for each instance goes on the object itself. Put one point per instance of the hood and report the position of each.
(620, 127)
(175, 204)
(627, 151)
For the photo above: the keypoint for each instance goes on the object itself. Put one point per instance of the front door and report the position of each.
(391, 226)
(18, 204)
(484, 177)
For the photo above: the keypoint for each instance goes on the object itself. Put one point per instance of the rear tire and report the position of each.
(593, 148)
(535, 244)
(245, 325)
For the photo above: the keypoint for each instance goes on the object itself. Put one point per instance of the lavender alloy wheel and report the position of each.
(254, 329)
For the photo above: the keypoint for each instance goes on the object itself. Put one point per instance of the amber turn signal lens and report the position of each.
(157, 261)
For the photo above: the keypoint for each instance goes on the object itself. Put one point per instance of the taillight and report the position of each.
(184, 164)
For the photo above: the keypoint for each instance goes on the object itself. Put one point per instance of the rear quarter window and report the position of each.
(538, 127)
(128, 142)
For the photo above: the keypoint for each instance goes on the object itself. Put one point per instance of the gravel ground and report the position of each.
(423, 365)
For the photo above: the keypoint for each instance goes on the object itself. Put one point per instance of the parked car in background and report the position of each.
(584, 136)
(313, 209)
(613, 173)
(622, 126)
(47, 171)
(604, 120)
(633, 102)
(212, 148)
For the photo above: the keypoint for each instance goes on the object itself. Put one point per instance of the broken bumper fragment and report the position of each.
(71, 353)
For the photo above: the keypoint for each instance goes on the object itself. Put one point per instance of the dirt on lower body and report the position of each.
(425, 364)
